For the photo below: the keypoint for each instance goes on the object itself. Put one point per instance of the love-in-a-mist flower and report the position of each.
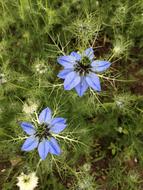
(41, 135)
(80, 71)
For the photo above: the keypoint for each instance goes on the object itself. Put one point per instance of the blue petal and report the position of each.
(67, 61)
(93, 81)
(81, 87)
(30, 144)
(71, 80)
(100, 66)
(45, 116)
(58, 120)
(54, 146)
(28, 128)
(76, 55)
(62, 74)
(43, 149)
(89, 53)
(57, 128)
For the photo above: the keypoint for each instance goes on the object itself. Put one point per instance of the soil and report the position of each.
(4, 165)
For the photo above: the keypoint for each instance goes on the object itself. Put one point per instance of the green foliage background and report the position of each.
(103, 144)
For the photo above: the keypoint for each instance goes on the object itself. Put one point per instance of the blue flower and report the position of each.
(41, 135)
(80, 71)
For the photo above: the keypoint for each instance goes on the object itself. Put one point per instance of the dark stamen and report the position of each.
(83, 66)
(26, 180)
(43, 131)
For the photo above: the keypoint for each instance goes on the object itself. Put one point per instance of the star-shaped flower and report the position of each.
(80, 71)
(41, 136)
(27, 182)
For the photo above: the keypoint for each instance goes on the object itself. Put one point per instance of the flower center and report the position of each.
(26, 179)
(83, 66)
(43, 131)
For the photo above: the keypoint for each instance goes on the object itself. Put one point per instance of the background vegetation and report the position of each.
(103, 144)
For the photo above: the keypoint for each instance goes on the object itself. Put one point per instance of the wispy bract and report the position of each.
(80, 71)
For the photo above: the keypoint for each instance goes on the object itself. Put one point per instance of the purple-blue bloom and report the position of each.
(41, 136)
(80, 71)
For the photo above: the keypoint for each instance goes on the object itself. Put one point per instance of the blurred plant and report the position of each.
(2, 78)
(121, 46)
(124, 102)
(86, 28)
(85, 180)
(40, 67)
(30, 107)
